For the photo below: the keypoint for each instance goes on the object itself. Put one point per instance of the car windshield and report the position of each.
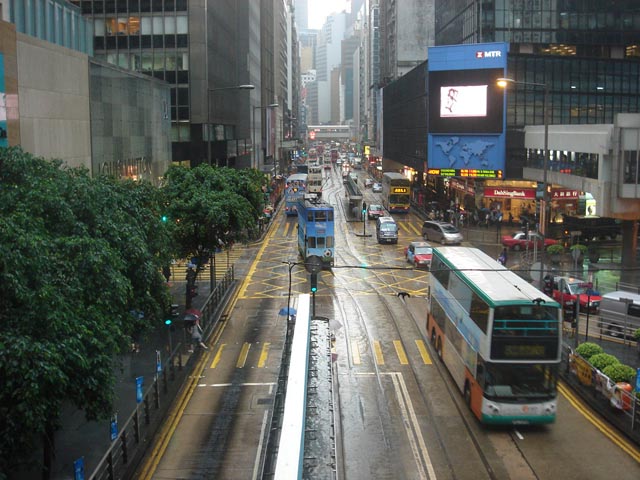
(388, 227)
(423, 251)
(450, 228)
(579, 288)
(375, 207)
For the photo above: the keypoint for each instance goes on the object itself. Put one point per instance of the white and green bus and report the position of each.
(499, 336)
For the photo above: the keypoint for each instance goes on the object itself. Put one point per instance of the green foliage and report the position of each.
(555, 249)
(620, 373)
(603, 360)
(583, 248)
(636, 334)
(77, 254)
(588, 349)
(212, 206)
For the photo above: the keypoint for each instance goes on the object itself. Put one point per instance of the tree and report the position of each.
(77, 255)
(210, 206)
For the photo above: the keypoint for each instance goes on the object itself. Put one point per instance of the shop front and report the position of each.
(463, 193)
(513, 202)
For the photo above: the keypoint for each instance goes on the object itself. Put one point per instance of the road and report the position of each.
(399, 415)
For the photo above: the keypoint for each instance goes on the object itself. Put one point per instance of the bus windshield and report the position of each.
(517, 381)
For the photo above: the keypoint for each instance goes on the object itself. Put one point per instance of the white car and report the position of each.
(377, 188)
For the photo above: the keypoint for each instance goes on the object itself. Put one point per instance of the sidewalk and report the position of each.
(78, 438)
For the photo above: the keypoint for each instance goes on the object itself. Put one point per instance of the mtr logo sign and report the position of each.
(489, 54)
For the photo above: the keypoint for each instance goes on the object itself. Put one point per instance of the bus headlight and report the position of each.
(327, 253)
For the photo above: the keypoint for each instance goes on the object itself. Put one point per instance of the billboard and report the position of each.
(466, 114)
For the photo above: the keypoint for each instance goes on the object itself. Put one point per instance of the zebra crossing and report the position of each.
(259, 355)
(223, 261)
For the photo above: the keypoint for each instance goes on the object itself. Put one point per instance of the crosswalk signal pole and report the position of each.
(314, 289)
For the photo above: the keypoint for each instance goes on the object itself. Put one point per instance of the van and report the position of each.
(619, 314)
(441, 232)
(386, 230)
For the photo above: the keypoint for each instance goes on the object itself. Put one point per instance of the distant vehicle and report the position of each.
(396, 192)
(442, 232)
(520, 241)
(419, 254)
(386, 230)
(377, 188)
(567, 290)
(368, 183)
(374, 211)
(619, 314)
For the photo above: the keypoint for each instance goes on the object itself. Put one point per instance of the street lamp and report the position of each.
(219, 89)
(503, 83)
(253, 130)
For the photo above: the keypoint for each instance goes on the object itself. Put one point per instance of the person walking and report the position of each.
(196, 336)
(502, 258)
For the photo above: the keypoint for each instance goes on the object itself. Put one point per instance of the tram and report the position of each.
(295, 189)
(316, 230)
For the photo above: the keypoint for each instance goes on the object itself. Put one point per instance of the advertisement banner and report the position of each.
(466, 114)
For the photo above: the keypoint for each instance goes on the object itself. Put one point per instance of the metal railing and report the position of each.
(126, 451)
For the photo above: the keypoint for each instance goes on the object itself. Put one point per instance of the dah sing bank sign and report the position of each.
(515, 193)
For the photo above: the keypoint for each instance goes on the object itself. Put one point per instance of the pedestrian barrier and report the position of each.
(127, 450)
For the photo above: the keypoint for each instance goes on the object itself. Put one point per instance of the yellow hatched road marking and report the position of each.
(216, 359)
(404, 227)
(415, 229)
(355, 352)
(377, 349)
(422, 348)
(263, 355)
(402, 356)
(244, 352)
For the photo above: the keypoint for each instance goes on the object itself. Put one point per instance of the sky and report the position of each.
(320, 9)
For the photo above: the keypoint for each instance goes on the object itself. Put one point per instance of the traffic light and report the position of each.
(314, 282)
(164, 218)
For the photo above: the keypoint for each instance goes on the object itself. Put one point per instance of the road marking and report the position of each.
(355, 353)
(256, 462)
(254, 384)
(412, 427)
(263, 355)
(216, 359)
(244, 352)
(402, 356)
(518, 434)
(377, 349)
(607, 431)
(423, 352)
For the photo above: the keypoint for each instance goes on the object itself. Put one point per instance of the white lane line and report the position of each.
(256, 463)
(518, 434)
(416, 426)
(266, 384)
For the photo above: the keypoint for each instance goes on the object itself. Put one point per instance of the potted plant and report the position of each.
(555, 252)
(580, 248)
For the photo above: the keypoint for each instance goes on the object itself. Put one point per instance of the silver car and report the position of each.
(441, 232)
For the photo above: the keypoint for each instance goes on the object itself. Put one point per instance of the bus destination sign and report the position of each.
(465, 172)
(400, 190)
(503, 350)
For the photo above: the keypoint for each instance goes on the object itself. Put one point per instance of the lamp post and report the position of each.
(219, 89)
(253, 130)
(504, 82)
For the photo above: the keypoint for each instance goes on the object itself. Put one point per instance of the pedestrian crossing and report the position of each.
(381, 352)
(223, 261)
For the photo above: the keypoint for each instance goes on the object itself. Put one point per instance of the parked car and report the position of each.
(419, 254)
(375, 211)
(567, 290)
(442, 232)
(521, 241)
(377, 188)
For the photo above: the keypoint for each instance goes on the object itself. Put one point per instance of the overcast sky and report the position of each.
(320, 9)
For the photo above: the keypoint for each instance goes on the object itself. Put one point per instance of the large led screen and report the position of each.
(466, 101)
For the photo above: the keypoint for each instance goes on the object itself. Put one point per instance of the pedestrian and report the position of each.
(502, 258)
(196, 336)
(166, 272)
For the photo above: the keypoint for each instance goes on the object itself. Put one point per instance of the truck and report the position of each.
(585, 229)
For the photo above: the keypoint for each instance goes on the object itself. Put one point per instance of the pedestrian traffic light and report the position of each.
(164, 218)
(314, 282)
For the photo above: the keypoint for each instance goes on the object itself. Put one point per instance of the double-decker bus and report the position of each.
(314, 179)
(396, 192)
(316, 229)
(294, 191)
(499, 336)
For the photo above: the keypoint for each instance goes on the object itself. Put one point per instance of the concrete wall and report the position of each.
(53, 101)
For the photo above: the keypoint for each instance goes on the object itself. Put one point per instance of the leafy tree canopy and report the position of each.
(209, 206)
(77, 255)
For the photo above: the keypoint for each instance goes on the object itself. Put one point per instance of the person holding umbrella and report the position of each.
(192, 324)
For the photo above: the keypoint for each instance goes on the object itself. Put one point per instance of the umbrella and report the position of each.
(287, 311)
(193, 311)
